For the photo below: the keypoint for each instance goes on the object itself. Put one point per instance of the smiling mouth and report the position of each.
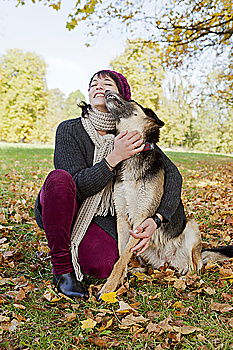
(99, 94)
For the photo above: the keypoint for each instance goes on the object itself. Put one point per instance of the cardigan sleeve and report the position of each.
(71, 155)
(171, 198)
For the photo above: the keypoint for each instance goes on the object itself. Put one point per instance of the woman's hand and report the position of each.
(126, 145)
(143, 232)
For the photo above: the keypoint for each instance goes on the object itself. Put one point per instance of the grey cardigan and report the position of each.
(74, 152)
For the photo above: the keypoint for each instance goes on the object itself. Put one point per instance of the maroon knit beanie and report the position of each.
(120, 80)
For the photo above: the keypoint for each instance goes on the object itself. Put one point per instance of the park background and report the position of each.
(183, 72)
(177, 56)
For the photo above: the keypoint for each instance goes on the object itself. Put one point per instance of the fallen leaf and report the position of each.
(165, 326)
(180, 284)
(20, 295)
(125, 308)
(221, 307)
(178, 305)
(142, 276)
(186, 329)
(103, 341)
(88, 323)
(228, 297)
(19, 306)
(70, 316)
(109, 297)
(130, 320)
(228, 220)
(108, 325)
(51, 296)
(153, 327)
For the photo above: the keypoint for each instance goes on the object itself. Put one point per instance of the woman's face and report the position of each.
(97, 89)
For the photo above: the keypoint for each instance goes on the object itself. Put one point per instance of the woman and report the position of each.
(75, 205)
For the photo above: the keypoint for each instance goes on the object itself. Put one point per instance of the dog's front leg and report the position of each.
(118, 273)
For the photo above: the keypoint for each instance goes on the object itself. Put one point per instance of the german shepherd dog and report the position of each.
(137, 194)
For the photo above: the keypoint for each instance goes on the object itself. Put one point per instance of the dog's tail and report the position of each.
(217, 254)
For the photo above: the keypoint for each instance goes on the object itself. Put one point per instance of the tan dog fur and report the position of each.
(136, 201)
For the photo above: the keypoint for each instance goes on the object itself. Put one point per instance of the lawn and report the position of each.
(157, 310)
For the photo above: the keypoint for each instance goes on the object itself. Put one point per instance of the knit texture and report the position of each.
(74, 152)
(102, 202)
(124, 84)
(126, 92)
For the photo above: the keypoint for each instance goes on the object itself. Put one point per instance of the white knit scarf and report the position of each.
(100, 203)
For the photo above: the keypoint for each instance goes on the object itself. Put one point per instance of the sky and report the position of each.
(40, 29)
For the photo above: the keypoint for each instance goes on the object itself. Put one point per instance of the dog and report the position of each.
(137, 194)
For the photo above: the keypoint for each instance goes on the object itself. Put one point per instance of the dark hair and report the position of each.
(104, 73)
(85, 107)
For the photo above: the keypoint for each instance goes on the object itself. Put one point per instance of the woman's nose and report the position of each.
(99, 86)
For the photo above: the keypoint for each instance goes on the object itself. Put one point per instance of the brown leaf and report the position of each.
(153, 314)
(228, 220)
(165, 326)
(221, 307)
(153, 327)
(107, 325)
(175, 337)
(20, 295)
(186, 329)
(180, 284)
(228, 297)
(130, 320)
(226, 272)
(70, 316)
(19, 306)
(103, 341)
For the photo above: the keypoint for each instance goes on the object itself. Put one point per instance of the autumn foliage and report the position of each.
(153, 310)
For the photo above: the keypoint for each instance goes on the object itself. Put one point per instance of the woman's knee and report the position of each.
(59, 176)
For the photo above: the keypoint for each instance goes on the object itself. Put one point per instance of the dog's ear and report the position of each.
(151, 114)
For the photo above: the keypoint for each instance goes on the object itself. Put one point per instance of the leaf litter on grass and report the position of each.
(157, 309)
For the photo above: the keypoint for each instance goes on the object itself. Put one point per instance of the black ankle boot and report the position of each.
(70, 286)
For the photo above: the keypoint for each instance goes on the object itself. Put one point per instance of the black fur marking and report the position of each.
(151, 114)
(225, 250)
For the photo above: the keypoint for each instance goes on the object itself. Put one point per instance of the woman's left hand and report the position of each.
(143, 232)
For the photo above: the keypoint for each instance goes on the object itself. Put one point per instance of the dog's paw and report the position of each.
(107, 288)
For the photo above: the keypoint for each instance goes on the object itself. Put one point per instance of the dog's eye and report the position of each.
(135, 114)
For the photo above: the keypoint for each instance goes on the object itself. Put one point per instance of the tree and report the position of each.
(144, 72)
(23, 90)
(185, 27)
(71, 110)
(54, 116)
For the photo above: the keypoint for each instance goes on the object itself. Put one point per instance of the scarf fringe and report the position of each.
(100, 203)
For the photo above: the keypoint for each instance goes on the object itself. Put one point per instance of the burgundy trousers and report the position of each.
(98, 251)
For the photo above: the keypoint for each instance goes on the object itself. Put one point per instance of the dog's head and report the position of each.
(133, 116)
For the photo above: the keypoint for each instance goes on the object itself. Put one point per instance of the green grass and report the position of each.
(36, 323)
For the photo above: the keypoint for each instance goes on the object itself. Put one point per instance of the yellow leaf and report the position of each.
(178, 305)
(88, 323)
(109, 297)
(142, 276)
